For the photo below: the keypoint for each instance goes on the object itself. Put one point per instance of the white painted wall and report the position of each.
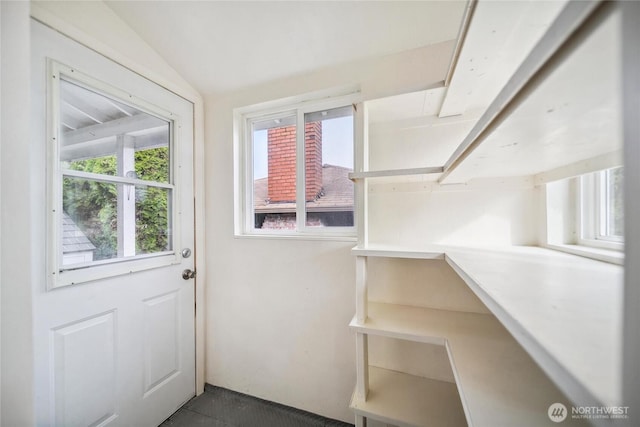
(416, 210)
(15, 226)
(497, 212)
(278, 310)
(420, 283)
(394, 146)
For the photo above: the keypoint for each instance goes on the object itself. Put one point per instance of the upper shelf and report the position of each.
(499, 36)
(562, 106)
(559, 112)
(396, 172)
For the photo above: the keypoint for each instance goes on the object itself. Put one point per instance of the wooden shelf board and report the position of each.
(421, 324)
(390, 251)
(499, 383)
(560, 107)
(396, 172)
(565, 310)
(407, 400)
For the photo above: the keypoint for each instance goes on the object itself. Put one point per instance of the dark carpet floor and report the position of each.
(219, 407)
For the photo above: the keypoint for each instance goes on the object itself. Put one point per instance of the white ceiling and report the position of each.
(222, 46)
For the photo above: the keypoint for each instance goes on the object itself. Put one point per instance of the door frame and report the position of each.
(191, 95)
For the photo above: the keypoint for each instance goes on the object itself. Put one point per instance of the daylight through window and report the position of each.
(300, 162)
(602, 209)
(611, 199)
(116, 179)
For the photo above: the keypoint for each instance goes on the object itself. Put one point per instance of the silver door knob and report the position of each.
(188, 274)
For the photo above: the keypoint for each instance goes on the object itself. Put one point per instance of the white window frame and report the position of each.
(59, 275)
(592, 213)
(243, 144)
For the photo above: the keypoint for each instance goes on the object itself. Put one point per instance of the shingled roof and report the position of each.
(336, 195)
(73, 239)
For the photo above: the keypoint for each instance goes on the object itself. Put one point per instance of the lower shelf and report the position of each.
(407, 400)
(498, 382)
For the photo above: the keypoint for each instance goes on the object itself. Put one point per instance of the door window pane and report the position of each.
(90, 220)
(103, 220)
(328, 153)
(94, 127)
(112, 215)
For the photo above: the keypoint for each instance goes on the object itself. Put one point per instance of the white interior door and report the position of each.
(113, 216)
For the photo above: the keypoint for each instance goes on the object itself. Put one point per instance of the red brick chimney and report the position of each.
(313, 159)
(282, 162)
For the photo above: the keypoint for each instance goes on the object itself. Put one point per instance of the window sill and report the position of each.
(335, 238)
(607, 255)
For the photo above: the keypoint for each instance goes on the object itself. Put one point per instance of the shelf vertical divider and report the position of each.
(362, 365)
(631, 135)
(361, 164)
(361, 289)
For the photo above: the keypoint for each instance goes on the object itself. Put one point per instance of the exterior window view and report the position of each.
(328, 160)
(116, 192)
(601, 214)
(612, 196)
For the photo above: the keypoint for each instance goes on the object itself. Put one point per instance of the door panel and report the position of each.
(161, 340)
(119, 348)
(84, 353)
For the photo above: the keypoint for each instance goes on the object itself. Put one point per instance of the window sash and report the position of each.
(114, 179)
(249, 167)
(606, 209)
(302, 185)
(595, 211)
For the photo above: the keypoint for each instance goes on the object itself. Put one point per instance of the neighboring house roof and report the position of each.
(336, 196)
(73, 239)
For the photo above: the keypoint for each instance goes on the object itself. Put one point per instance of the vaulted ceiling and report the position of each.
(220, 46)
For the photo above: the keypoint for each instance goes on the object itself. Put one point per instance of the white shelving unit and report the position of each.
(543, 297)
(544, 118)
(486, 361)
(499, 382)
(556, 329)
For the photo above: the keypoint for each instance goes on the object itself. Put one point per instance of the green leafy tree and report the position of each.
(93, 205)
(152, 221)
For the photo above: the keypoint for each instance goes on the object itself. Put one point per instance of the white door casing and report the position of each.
(120, 349)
